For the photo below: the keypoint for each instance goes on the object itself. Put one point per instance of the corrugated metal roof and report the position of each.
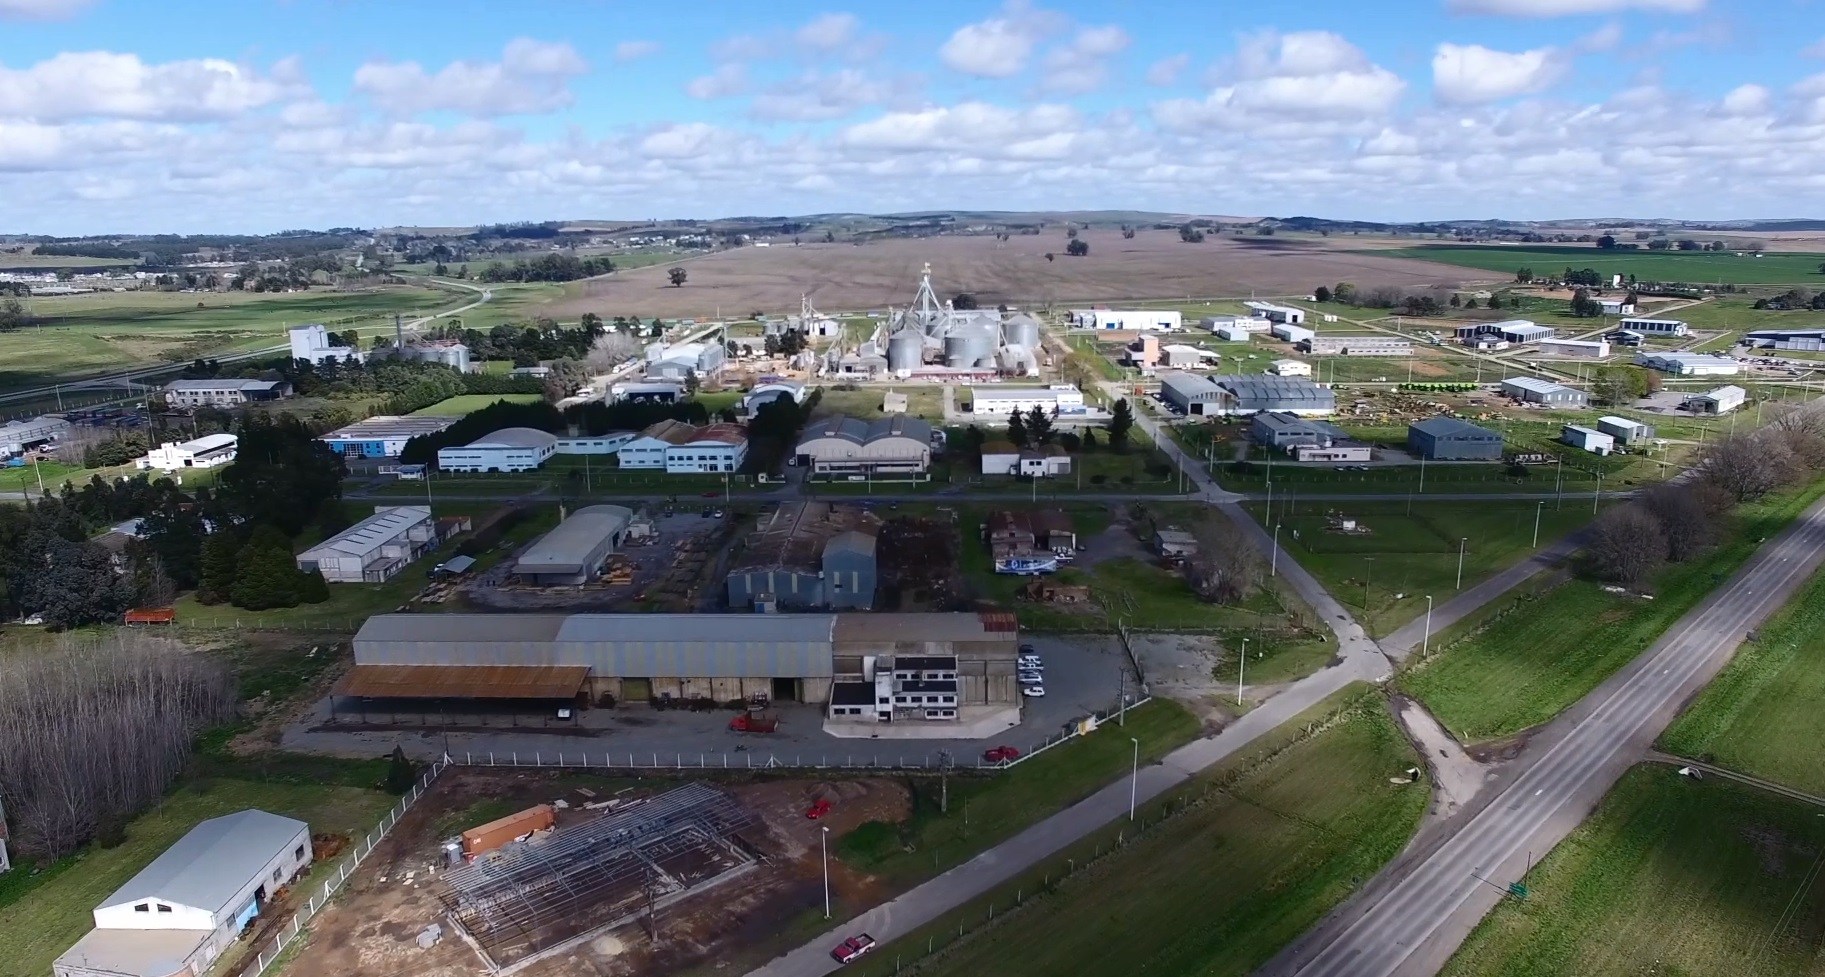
(515, 437)
(208, 442)
(388, 426)
(208, 866)
(375, 531)
(914, 627)
(134, 953)
(1535, 385)
(567, 547)
(460, 627)
(1447, 427)
(463, 681)
(223, 384)
(1189, 385)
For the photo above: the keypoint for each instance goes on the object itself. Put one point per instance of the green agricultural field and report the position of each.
(1248, 858)
(1696, 267)
(1670, 876)
(82, 335)
(463, 405)
(1763, 715)
(924, 400)
(40, 917)
(1523, 660)
(1385, 572)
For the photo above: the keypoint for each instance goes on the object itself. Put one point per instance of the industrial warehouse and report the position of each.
(1188, 393)
(537, 660)
(574, 552)
(839, 445)
(807, 555)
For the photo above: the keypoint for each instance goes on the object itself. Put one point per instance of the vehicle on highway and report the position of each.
(1035, 691)
(851, 949)
(1000, 754)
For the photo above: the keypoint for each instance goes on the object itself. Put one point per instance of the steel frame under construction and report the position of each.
(529, 898)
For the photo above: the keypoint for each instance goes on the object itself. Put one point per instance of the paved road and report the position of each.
(1408, 638)
(1410, 920)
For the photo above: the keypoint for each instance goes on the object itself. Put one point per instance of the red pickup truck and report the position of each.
(848, 950)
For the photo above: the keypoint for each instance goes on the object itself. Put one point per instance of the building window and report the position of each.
(275, 875)
(143, 908)
(163, 908)
(298, 854)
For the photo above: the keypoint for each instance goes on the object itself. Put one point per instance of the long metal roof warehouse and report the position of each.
(633, 656)
(573, 552)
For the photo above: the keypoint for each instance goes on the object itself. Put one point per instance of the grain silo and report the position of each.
(1020, 330)
(905, 351)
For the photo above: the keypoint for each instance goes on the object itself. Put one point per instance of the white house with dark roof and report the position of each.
(181, 911)
(512, 449)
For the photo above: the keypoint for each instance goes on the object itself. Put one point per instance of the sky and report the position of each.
(179, 116)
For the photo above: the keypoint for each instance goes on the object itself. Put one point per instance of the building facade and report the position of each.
(1449, 439)
(1133, 320)
(1624, 430)
(208, 451)
(312, 344)
(573, 552)
(384, 436)
(1356, 346)
(1723, 400)
(999, 401)
(807, 555)
(1690, 364)
(223, 393)
(1589, 439)
(375, 549)
(894, 445)
(1533, 390)
(513, 449)
(1655, 327)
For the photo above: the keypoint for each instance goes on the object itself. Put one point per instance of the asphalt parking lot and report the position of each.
(1083, 675)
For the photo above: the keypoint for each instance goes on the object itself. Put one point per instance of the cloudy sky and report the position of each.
(128, 115)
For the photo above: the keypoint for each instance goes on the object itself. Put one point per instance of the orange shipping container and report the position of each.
(494, 834)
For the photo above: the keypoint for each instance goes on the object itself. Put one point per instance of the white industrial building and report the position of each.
(1291, 333)
(513, 449)
(1589, 439)
(574, 551)
(1276, 313)
(1290, 368)
(1533, 390)
(375, 549)
(1358, 345)
(1180, 356)
(1723, 400)
(1655, 327)
(841, 445)
(223, 393)
(207, 451)
(656, 391)
(1233, 323)
(676, 447)
(1576, 348)
(17, 436)
(1518, 332)
(1003, 458)
(384, 436)
(1624, 430)
(181, 911)
(769, 391)
(1133, 320)
(1616, 306)
(312, 343)
(676, 361)
(1059, 398)
(1690, 364)
(1233, 334)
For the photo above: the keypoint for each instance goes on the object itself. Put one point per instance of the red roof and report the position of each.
(151, 615)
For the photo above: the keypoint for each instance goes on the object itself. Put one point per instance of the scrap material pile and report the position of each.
(536, 894)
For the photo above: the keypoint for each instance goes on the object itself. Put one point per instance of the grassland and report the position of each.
(82, 335)
(1762, 714)
(1384, 573)
(1698, 267)
(40, 917)
(465, 404)
(1250, 856)
(1522, 661)
(987, 810)
(1670, 876)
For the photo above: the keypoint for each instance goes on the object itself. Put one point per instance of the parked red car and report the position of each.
(818, 809)
(848, 950)
(1000, 754)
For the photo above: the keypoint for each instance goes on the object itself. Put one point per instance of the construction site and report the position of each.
(590, 875)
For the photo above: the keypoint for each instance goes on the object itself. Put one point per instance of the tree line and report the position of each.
(546, 268)
(1676, 521)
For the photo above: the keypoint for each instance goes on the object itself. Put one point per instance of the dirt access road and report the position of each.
(841, 277)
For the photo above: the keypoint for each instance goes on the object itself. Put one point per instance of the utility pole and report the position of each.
(1273, 563)
(1425, 640)
(1460, 560)
(1241, 665)
(1538, 508)
(1134, 778)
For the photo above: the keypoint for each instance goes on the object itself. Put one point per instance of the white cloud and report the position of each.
(531, 77)
(1166, 71)
(635, 50)
(1000, 46)
(726, 81)
(1082, 64)
(106, 84)
(1746, 100)
(827, 32)
(687, 141)
(1568, 8)
(1465, 74)
(819, 96)
(1311, 80)
(942, 128)
(42, 9)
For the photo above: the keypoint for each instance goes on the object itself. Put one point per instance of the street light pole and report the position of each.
(1273, 561)
(1538, 508)
(1134, 777)
(1241, 665)
(1460, 560)
(1425, 640)
(1596, 498)
(823, 844)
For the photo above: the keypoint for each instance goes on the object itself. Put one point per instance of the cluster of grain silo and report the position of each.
(929, 334)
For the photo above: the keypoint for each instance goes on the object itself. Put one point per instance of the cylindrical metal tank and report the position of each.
(957, 349)
(979, 345)
(905, 351)
(1020, 330)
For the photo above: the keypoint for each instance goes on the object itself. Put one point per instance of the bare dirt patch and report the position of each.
(1151, 265)
(372, 927)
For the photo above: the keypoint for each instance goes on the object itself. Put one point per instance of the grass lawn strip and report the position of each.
(463, 405)
(1225, 872)
(1669, 876)
(1522, 661)
(36, 927)
(1764, 714)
